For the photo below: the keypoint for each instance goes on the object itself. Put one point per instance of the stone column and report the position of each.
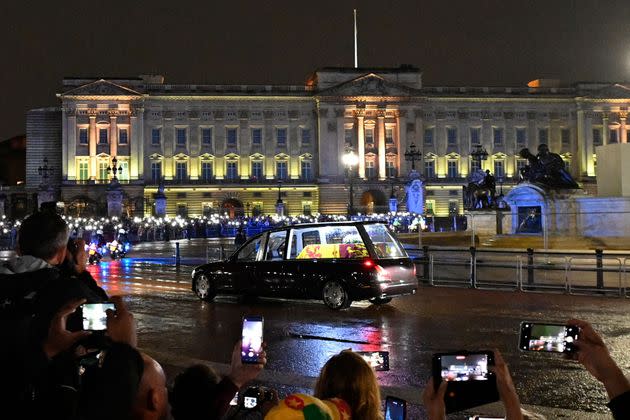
(589, 150)
(113, 136)
(624, 131)
(381, 144)
(92, 148)
(605, 128)
(361, 143)
(69, 170)
(341, 141)
(401, 139)
(581, 143)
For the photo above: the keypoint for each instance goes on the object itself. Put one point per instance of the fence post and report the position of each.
(530, 265)
(599, 263)
(177, 256)
(473, 267)
(425, 255)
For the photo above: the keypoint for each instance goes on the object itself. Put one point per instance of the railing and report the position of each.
(588, 272)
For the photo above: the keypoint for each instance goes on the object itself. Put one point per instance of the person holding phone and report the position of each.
(592, 353)
(433, 399)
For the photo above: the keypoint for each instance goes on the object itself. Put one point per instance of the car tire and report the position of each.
(204, 287)
(335, 295)
(380, 301)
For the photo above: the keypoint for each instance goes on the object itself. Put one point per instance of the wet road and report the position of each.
(301, 336)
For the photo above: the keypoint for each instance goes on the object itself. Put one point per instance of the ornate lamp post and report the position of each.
(478, 154)
(46, 193)
(350, 160)
(412, 155)
(114, 169)
(279, 202)
(45, 171)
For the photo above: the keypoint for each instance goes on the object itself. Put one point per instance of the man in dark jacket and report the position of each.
(48, 274)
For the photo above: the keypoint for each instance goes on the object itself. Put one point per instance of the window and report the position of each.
(206, 171)
(451, 136)
(453, 207)
(257, 208)
(520, 165)
(83, 136)
(182, 210)
(102, 136)
(369, 136)
(306, 136)
(155, 136)
(306, 170)
(123, 136)
(475, 165)
(231, 136)
(206, 136)
(306, 207)
(281, 136)
(428, 137)
(499, 169)
(281, 169)
(543, 136)
(429, 169)
(389, 136)
(597, 137)
(348, 135)
(429, 206)
(567, 165)
(156, 172)
(565, 137)
(497, 135)
(257, 169)
(390, 169)
(206, 209)
(370, 170)
(181, 172)
(475, 135)
(256, 136)
(83, 170)
(521, 137)
(124, 172)
(250, 250)
(452, 171)
(232, 170)
(180, 134)
(326, 242)
(276, 246)
(384, 245)
(103, 173)
(614, 136)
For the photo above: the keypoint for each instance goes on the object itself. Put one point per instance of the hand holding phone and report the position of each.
(252, 339)
(378, 360)
(462, 366)
(544, 337)
(94, 315)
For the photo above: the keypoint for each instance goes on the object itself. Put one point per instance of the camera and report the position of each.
(254, 396)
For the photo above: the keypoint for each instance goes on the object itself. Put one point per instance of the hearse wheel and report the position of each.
(380, 301)
(335, 295)
(204, 288)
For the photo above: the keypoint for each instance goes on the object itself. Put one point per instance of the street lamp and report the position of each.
(279, 202)
(412, 155)
(45, 171)
(350, 160)
(114, 169)
(478, 154)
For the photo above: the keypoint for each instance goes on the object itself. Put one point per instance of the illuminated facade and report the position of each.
(224, 148)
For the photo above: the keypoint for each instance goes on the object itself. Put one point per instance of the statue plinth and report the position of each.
(114, 199)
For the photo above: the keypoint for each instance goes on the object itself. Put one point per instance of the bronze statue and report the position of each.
(480, 193)
(546, 169)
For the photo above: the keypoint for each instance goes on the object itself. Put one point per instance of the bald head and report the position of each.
(152, 397)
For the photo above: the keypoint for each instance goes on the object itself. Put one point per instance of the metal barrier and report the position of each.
(497, 271)
(545, 273)
(626, 284)
(607, 279)
(448, 270)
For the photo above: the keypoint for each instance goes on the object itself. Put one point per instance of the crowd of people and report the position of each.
(55, 369)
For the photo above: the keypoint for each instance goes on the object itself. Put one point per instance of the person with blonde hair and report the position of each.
(349, 377)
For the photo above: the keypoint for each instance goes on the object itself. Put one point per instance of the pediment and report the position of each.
(101, 87)
(368, 85)
(615, 91)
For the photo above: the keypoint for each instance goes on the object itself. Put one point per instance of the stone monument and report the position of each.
(415, 193)
(160, 200)
(114, 199)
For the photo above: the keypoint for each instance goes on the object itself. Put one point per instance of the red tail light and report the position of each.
(368, 263)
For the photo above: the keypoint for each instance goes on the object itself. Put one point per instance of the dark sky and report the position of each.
(454, 42)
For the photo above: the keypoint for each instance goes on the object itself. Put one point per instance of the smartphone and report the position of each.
(552, 338)
(378, 360)
(94, 315)
(234, 401)
(250, 402)
(252, 339)
(462, 366)
(395, 408)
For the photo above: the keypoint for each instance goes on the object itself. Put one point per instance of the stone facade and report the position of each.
(225, 147)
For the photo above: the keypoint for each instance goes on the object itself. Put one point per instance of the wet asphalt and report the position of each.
(302, 335)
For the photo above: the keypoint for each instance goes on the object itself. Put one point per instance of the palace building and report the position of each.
(238, 148)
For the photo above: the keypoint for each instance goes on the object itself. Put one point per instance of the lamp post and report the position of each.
(114, 169)
(279, 202)
(412, 155)
(45, 171)
(478, 154)
(350, 160)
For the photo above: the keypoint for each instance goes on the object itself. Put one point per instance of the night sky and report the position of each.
(469, 42)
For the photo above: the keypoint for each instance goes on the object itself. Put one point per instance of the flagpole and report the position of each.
(356, 57)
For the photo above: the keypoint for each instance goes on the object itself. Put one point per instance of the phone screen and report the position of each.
(378, 360)
(234, 400)
(464, 367)
(94, 315)
(553, 338)
(252, 339)
(250, 402)
(395, 409)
